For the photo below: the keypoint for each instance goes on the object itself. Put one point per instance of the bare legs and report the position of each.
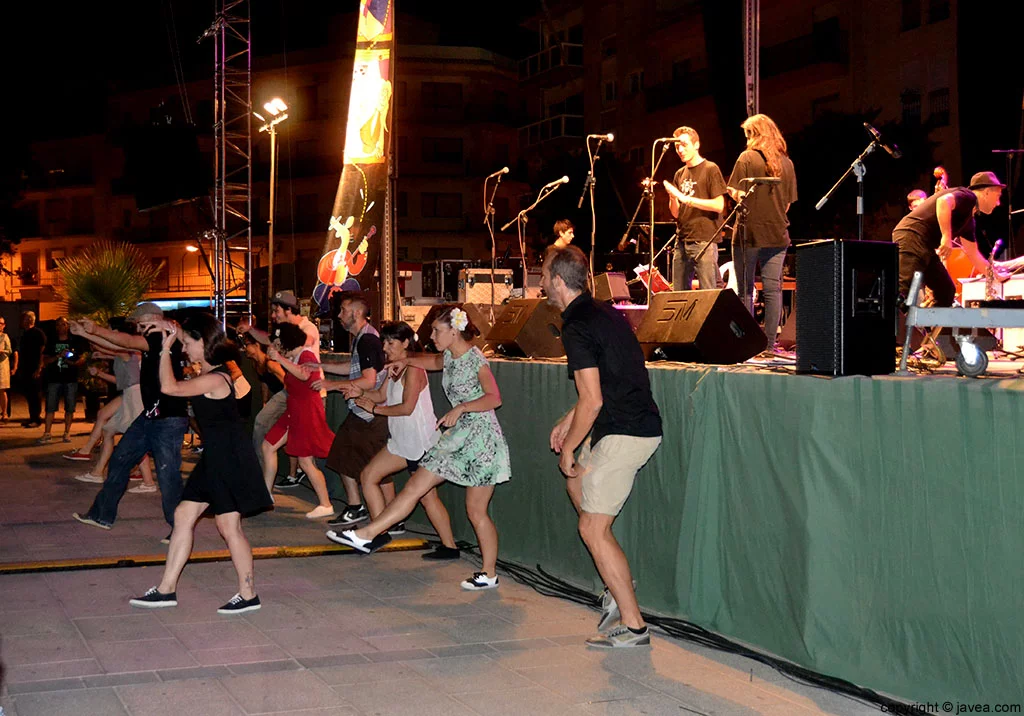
(3, 404)
(376, 493)
(270, 461)
(316, 480)
(102, 417)
(477, 500)
(422, 482)
(230, 527)
(351, 490)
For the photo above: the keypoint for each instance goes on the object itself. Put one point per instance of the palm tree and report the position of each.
(108, 279)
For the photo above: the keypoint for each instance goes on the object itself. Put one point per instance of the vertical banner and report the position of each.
(356, 228)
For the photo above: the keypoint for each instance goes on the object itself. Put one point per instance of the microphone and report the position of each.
(996, 248)
(503, 170)
(603, 137)
(893, 151)
(668, 140)
(770, 181)
(556, 182)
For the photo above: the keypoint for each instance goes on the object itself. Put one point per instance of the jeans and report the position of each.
(684, 267)
(265, 419)
(162, 438)
(772, 260)
(54, 392)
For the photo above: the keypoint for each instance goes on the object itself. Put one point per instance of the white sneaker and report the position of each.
(480, 581)
(88, 477)
(143, 488)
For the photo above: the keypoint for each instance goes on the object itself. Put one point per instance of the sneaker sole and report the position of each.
(90, 523)
(631, 645)
(342, 540)
(473, 588)
(151, 605)
(243, 610)
(76, 459)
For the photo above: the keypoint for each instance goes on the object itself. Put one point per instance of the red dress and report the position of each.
(304, 420)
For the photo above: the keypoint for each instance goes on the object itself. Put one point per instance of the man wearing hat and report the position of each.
(284, 308)
(159, 430)
(925, 236)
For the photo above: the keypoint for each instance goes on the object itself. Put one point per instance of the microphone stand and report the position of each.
(489, 223)
(588, 188)
(520, 222)
(1010, 155)
(648, 185)
(857, 167)
(650, 199)
(740, 212)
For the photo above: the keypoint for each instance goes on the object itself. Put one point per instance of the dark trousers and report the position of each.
(915, 255)
(29, 386)
(162, 438)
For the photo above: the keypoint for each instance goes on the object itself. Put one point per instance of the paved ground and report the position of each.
(338, 635)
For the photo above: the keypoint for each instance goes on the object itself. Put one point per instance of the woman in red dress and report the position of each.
(303, 428)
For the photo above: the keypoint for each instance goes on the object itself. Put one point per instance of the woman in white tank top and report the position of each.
(405, 400)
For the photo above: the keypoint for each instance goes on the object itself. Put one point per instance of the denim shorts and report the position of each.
(53, 393)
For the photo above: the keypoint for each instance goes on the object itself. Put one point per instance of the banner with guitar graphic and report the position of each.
(356, 226)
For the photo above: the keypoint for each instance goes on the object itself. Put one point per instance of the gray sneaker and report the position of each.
(609, 609)
(620, 637)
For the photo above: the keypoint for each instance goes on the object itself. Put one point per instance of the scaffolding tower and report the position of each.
(231, 239)
(751, 54)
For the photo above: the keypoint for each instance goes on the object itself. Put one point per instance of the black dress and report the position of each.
(228, 475)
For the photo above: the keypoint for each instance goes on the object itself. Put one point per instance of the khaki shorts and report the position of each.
(124, 416)
(609, 470)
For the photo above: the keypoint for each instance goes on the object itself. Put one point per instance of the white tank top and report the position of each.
(411, 435)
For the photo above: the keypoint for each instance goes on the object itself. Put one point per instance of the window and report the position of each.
(441, 95)
(611, 91)
(910, 15)
(634, 83)
(403, 204)
(575, 34)
(82, 217)
(403, 148)
(29, 268)
(447, 150)
(163, 276)
(52, 255)
(938, 107)
(441, 206)
(938, 10)
(609, 46)
(911, 103)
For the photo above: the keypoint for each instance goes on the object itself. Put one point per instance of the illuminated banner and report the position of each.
(356, 227)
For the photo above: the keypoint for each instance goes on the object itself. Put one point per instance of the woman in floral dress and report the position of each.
(471, 451)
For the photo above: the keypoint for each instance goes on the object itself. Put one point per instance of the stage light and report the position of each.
(276, 106)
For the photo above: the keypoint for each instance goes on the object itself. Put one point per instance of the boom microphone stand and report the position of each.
(588, 188)
(521, 219)
(489, 223)
(667, 142)
(647, 184)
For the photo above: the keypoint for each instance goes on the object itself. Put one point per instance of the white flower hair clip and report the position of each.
(459, 319)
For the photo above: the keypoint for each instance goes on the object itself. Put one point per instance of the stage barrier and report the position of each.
(866, 528)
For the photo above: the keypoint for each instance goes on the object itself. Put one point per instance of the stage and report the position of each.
(866, 528)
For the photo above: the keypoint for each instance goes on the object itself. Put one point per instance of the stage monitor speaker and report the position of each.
(479, 315)
(611, 287)
(529, 327)
(709, 326)
(846, 307)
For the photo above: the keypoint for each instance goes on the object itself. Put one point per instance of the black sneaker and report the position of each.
(237, 605)
(155, 600)
(398, 529)
(289, 481)
(442, 552)
(351, 516)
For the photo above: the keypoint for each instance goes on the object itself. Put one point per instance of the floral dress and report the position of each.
(473, 453)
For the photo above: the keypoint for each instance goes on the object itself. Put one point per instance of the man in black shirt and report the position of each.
(695, 198)
(925, 235)
(616, 409)
(30, 367)
(159, 430)
(61, 359)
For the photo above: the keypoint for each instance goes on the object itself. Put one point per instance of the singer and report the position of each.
(695, 198)
(764, 236)
(925, 235)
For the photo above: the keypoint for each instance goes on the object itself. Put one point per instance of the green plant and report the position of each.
(107, 279)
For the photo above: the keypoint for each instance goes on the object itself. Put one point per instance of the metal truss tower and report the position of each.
(232, 129)
(751, 54)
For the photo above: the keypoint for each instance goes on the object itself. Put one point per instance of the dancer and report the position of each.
(227, 477)
(765, 236)
(302, 430)
(471, 453)
(413, 426)
(255, 344)
(617, 411)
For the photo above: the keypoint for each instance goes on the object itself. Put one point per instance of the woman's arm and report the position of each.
(275, 369)
(490, 400)
(414, 381)
(200, 385)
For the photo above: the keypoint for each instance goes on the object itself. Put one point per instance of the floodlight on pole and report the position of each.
(279, 112)
(191, 249)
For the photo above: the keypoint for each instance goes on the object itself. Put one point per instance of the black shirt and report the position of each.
(30, 347)
(766, 210)
(595, 335)
(924, 222)
(154, 403)
(67, 351)
(703, 181)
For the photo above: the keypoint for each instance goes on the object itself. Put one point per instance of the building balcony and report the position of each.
(687, 88)
(562, 125)
(827, 47)
(563, 61)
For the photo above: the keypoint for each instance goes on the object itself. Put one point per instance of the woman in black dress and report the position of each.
(227, 478)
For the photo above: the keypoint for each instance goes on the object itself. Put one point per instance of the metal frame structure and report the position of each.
(232, 129)
(751, 54)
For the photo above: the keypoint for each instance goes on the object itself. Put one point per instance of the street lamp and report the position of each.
(278, 112)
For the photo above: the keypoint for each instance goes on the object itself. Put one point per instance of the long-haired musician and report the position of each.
(766, 236)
